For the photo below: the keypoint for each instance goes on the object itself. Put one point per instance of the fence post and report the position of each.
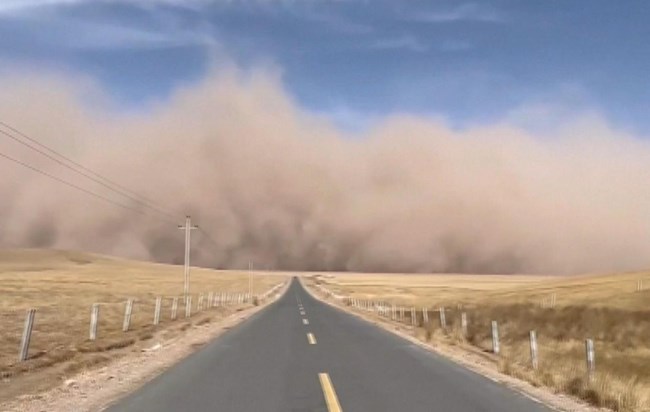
(27, 335)
(174, 308)
(425, 315)
(199, 305)
(591, 358)
(156, 312)
(463, 324)
(443, 319)
(188, 307)
(394, 310)
(495, 338)
(401, 313)
(94, 318)
(414, 317)
(533, 349)
(127, 315)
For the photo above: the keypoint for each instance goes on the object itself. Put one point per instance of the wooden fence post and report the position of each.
(496, 349)
(591, 358)
(443, 319)
(533, 350)
(463, 324)
(174, 308)
(188, 307)
(156, 311)
(27, 335)
(127, 315)
(94, 319)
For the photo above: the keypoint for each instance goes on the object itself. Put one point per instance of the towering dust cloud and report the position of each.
(283, 188)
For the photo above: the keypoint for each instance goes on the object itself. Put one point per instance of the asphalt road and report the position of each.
(271, 363)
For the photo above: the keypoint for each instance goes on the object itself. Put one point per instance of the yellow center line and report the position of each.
(330, 395)
(311, 338)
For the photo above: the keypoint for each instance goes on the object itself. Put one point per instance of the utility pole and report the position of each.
(250, 282)
(186, 279)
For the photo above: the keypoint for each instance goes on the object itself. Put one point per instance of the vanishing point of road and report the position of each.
(302, 355)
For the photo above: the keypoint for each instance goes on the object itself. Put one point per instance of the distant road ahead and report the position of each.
(301, 355)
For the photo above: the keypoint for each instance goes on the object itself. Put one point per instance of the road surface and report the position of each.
(302, 355)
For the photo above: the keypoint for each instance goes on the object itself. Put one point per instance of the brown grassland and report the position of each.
(605, 308)
(62, 286)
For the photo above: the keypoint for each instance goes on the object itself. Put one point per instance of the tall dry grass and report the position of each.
(607, 309)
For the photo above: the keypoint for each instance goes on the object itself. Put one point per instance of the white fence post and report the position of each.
(425, 315)
(126, 324)
(533, 350)
(496, 349)
(156, 312)
(27, 335)
(443, 319)
(591, 358)
(394, 310)
(463, 324)
(414, 317)
(401, 313)
(188, 307)
(174, 308)
(94, 319)
(199, 305)
(210, 300)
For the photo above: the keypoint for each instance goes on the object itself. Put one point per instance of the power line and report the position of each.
(207, 236)
(88, 174)
(85, 172)
(34, 169)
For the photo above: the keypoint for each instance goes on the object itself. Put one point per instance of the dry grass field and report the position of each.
(62, 286)
(564, 311)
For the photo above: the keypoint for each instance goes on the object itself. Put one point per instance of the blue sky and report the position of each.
(357, 61)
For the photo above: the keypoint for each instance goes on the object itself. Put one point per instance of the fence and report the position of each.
(457, 321)
(108, 325)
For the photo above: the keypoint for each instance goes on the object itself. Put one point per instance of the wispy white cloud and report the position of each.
(405, 42)
(108, 36)
(56, 29)
(463, 12)
(9, 6)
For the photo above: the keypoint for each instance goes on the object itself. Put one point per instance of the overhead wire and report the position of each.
(88, 173)
(85, 171)
(72, 185)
